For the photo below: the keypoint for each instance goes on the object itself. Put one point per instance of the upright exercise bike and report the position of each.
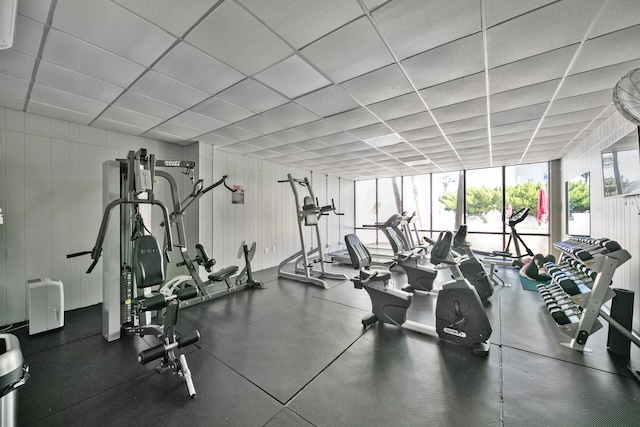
(460, 315)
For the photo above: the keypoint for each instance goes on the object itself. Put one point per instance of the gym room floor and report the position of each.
(297, 355)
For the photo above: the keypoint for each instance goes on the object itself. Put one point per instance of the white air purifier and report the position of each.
(46, 305)
(8, 14)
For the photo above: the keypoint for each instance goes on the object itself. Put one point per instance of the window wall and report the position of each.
(484, 199)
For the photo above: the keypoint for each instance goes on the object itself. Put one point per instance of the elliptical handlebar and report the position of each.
(519, 216)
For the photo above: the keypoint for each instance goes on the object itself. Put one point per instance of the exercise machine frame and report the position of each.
(308, 212)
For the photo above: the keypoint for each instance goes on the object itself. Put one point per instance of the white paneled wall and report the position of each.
(617, 218)
(51, 198)
(268, 215)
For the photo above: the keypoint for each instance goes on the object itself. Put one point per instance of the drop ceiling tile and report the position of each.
(34, 9)
(177, 131)
(242, 148)
(608, 49)
(521, 37)
(27, 36)
(600, 79)
(501, 10)
(250, 50)
(290, 115)
(400, 106)
(463, 110)
(601, 98)
(191, 66)
(532, 112)
(92, 21)
(616, 15)
(384, 83)
(253, 96)
(301, 22)
(541, 68)
(76, 55)
(328, 101)
(371, 131)
(511, 128)
(68, 101)
(421, 133)
(159, 86)
(350, 51)
(59, 113)
(134, 101)
(570, 118)
(338, 139)
(403, 23)
(264, 142)
(473, 123)
(130, 118)
(311, 144)
(103, 123)
(222, 110)
(353, 119)
(235, 133)
(69, 81)
(412, 122)
(265, 154)
(357, 146)
(521, 97)
(170, 15)
(216, 140)
(259, 125)
(197, 121)
(452, 61)
(287, 149)
(11, 86)
(16, 64)
(292, 77)
(317, 129)
(288, 136)
(457, 138)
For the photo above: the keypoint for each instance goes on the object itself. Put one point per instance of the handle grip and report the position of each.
(75, 254)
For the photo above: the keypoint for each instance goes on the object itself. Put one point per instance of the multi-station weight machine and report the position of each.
(308, 213)
(581, 285)
(134, 284)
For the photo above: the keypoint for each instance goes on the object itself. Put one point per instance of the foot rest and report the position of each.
(223, 274)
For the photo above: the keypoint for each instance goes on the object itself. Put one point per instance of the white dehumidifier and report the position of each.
(46, 305)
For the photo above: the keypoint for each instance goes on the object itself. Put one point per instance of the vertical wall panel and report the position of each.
(3, 238)
(616, 218)
(14, 224)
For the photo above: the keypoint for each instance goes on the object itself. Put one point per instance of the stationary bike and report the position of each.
(460, 316)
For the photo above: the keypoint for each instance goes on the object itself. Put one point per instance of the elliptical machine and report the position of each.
(460, 316)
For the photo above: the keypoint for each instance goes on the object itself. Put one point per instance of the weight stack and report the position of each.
(621, 312)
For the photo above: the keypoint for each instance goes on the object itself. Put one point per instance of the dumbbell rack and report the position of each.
(580, 285)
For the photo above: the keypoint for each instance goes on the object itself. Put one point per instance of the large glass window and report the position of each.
(417, 198)
(526, 187)
(484, 200)
(446, 201)
(365, 202)
(389, 197)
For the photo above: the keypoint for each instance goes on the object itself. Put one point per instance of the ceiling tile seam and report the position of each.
(564, 76)
(257, 18)
(158, 59)
(568, 144)
(188, 31)
(525, 13)
(321, 72)
(43, 41)
(485, 53)
(413, 86)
